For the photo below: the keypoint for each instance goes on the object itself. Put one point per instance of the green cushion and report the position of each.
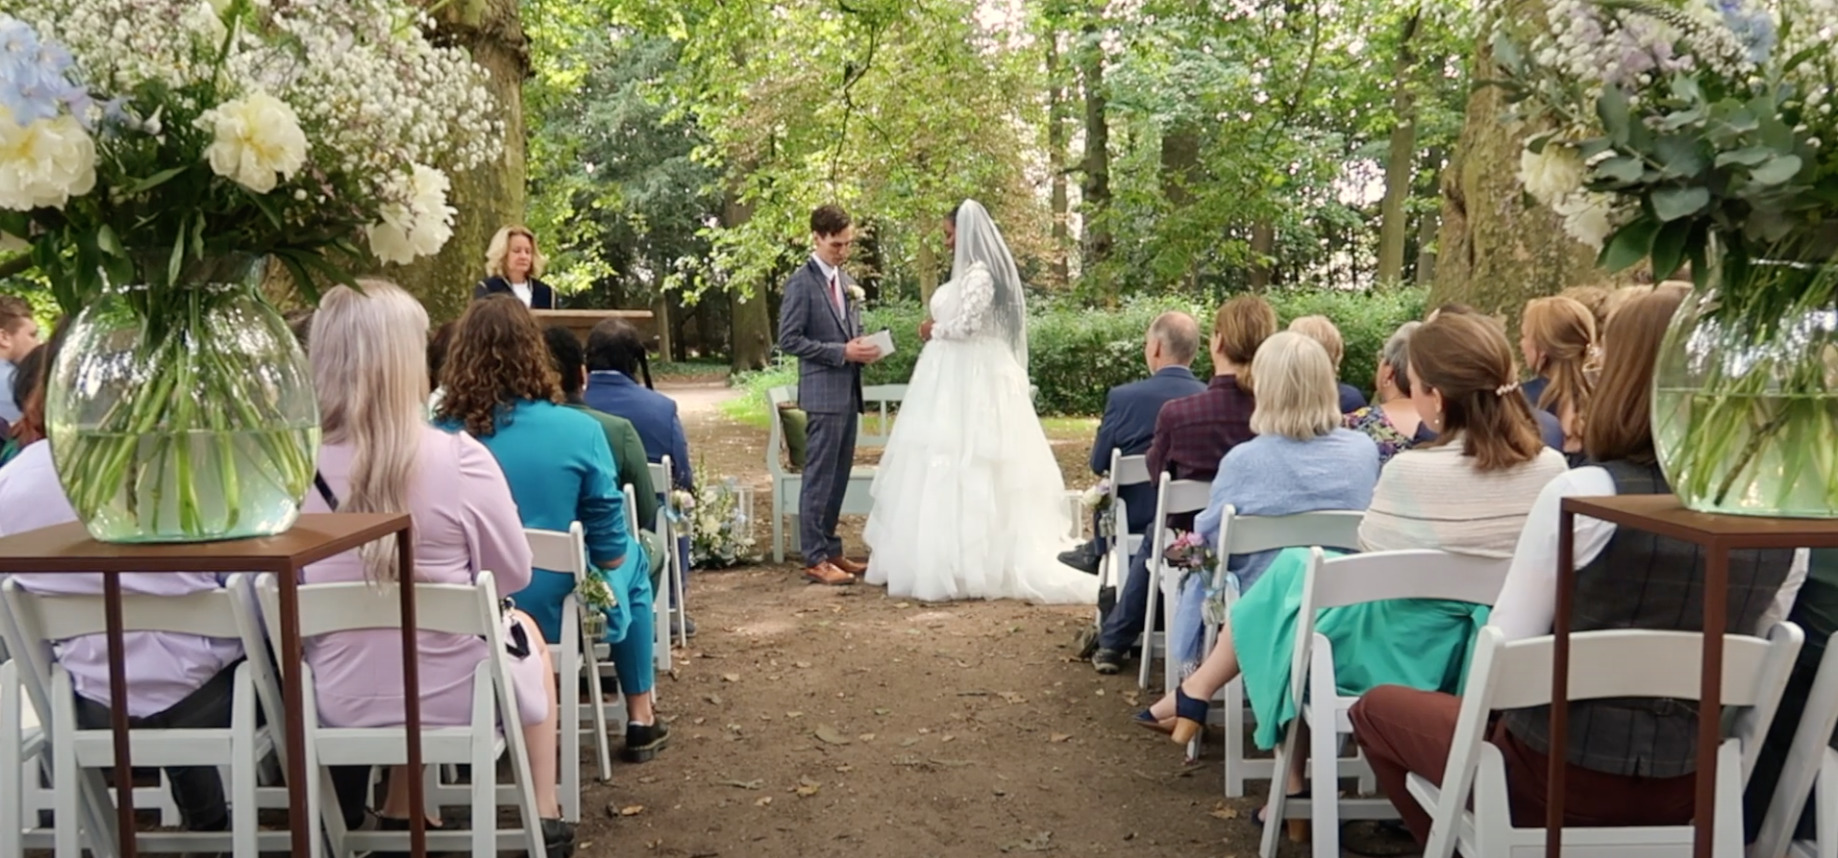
(795, 422)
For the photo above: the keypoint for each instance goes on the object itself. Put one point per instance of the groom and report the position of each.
(821, 325)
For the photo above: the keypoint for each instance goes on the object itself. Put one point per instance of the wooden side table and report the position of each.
(68, 548)
(1718, 535)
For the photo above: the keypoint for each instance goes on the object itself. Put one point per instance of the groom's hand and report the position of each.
(925, 331)
(859, 350)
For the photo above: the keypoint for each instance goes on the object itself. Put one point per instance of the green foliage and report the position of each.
(1076, 356)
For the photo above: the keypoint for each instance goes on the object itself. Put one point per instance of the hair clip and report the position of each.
(1504, 389)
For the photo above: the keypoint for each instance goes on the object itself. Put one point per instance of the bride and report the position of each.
(968, 499)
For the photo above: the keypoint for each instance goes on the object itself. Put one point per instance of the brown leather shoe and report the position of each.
(849, 566)
(827, 574)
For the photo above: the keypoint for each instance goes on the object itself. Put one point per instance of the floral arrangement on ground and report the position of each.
(720, 520)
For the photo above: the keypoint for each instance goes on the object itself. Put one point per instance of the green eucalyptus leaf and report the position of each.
(1777, 170)
(1747, 157)
(1594, 146)
(1670, 204)
(1629, 245)
(1612, 109)
(1678, 156)
(1669, 247)
(1625, 169)
(108, 242)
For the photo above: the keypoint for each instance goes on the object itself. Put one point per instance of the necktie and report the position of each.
(835, 293)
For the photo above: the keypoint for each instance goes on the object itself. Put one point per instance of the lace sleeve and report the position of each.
(976, 295)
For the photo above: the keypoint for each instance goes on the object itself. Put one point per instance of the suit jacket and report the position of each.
(1193, 434)
(1129, 425)
(654, 415)
(811, 328)
(541, 296)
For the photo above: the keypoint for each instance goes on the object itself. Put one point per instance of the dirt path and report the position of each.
(815, 721)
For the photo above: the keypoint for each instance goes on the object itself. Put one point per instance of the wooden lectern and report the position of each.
(582, 321)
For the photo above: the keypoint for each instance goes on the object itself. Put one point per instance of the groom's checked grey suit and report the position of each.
(813, 327)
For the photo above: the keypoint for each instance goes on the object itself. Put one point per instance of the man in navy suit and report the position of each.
(1129, 419)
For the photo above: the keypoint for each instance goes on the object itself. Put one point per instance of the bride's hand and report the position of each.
(925, 331)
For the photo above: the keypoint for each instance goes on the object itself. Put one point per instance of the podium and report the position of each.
(582, 321)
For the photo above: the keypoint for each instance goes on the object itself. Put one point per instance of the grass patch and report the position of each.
(750, 407)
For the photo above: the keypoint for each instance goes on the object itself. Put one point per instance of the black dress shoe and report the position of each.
(1081, 558)
(1086, 643)
(558, 838)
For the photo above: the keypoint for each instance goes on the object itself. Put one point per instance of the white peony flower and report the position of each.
(1551, 175)
(45, 163)
(418, 227)
(1587, 217)
(256, 136)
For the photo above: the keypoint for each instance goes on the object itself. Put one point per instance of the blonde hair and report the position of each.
(1564, 331)
(370, 370)
(500, 249)
(1321, 329)
(1296, 395)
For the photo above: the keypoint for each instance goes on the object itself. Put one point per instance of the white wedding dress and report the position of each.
(968, 502)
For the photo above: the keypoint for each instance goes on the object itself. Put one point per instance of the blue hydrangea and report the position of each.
(35, 76)
(1752, 27)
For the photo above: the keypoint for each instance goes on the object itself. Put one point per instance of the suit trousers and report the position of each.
(1125, 621)
(829, 456)
(1404, 730)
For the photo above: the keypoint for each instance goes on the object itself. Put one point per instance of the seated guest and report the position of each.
(1628, 762)
(503, 390)
(1392, 422)
(1550, 429)
(1468, 492)
(438, 343)
(1129, 420)
(628, 452)
(174, 681)
(31, 372)
(1192, 435)
(18, 337)
(1300, 461)
(615, 358)
(380, 455)
(1557, 338)
(1596, 299)
(512, 266)
(1321, 329)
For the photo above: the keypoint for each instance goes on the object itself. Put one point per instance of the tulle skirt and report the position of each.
(969, 501)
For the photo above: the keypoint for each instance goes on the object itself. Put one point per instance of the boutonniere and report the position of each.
(856, 293)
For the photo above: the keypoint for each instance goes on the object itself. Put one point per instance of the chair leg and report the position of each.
(1323, 782)
(1148, 627)
(568, 677)
(1276, 809)
(679, 599)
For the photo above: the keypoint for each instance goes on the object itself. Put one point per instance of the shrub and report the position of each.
(1076, 354)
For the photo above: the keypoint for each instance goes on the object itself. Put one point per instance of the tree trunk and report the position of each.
(1180, 170)
(749, 310)
(1095, 190)
(1056, 158)
(660, 316)
(1263, 249)
(491, 196)
(1429, 223)
(1399, 162)
(1495, 252)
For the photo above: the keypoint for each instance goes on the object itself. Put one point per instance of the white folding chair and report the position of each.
(1249, 534)
(660, 602)
(1339, 582)
(78, 756)
(1618, 663)
(21, 745)
(1114, 564)
(675, 600)
(1811, 769)
(495, 726)
(575, 656)
(1173, 497)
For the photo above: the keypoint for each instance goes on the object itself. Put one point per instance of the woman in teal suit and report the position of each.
(502, 389)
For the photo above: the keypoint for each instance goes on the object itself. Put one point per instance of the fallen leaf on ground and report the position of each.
(829, 735)
(730, 677)
(803, 665)
(632, 810)
(713, 699)
(794, 714)
(883, 712)
(1059, 737)
(1224, 811)
(742, 784)
(764, 800)
(865, 737)
(808, 787)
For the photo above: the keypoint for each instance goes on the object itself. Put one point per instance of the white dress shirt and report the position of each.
(523, 292)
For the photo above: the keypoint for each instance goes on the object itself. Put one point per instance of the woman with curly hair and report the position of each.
(503, 390)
